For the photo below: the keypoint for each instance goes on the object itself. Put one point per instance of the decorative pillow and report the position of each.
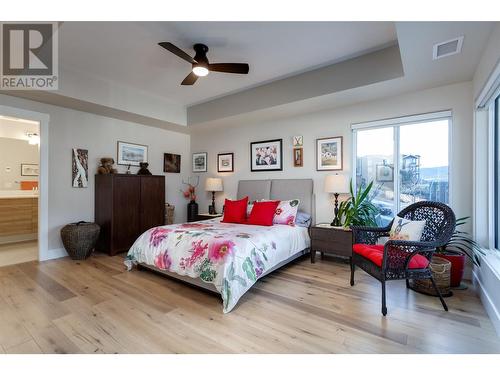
(235, 211)
(263, 213)
(406, 230)
(286, 213)
(303, 219)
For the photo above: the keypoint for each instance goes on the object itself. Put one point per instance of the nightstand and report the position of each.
(331, 240)
(207, 216)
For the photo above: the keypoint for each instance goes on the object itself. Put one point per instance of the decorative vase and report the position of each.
(457, 267)
(192, 213)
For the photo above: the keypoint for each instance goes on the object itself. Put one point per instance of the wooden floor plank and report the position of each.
(95, 306)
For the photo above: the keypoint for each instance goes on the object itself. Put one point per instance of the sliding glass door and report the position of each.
(406, 158)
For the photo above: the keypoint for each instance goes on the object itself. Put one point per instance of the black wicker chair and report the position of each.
(439, 226)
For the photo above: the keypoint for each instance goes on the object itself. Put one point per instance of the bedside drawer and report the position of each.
(332, 241)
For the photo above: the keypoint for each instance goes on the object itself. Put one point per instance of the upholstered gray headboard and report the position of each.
(281, 189)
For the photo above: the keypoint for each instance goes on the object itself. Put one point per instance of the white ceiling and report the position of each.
(127, 52)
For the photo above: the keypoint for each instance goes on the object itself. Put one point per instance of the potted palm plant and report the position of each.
(358, 210)
(457, 249)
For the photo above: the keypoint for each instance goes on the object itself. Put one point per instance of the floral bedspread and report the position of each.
(230, 256)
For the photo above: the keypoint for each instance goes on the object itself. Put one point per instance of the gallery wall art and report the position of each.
(171, 163)
(329, 154)
(131, 154)
(80, 168)
(266, 155)
(200, 162)
(225, 162)
(29, 170)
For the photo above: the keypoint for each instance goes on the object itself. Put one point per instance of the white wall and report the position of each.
(13, 153)
(489, 60)
(99, 135)
(235, 138)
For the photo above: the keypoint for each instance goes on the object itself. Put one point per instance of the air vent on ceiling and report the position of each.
(448, 48)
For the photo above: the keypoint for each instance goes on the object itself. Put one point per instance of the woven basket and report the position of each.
(440, 268)
(169, 214)
(79, 239)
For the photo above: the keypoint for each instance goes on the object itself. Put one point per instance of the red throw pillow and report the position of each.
(263, 213)
(235, 211)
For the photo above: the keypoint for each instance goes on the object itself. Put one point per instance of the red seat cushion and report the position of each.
(235, 211)
(263, 213)
(375, 253)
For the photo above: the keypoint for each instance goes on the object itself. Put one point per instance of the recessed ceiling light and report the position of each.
(447, 48)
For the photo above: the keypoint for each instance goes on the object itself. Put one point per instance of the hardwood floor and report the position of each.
(95, 306)
(18, 252)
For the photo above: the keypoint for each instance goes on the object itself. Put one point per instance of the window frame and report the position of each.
(396, 124)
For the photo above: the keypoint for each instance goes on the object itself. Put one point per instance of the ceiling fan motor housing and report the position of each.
(201, 55)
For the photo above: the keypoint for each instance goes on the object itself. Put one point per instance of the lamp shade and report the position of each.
(335, 183)
(213, 184)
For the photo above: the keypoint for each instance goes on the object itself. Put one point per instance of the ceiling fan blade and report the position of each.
(229, 68)
(177, 51)
(190, 79)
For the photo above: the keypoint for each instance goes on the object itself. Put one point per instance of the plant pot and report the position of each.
(457, 267)
(192, 211)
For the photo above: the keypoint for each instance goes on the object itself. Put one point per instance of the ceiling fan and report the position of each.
(200, 65)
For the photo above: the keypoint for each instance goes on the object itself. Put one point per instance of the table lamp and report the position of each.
(213, 184)
(336, 184)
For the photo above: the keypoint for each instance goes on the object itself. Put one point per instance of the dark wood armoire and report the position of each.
(126, 206)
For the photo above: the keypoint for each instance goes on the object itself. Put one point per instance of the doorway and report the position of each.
(23, 185)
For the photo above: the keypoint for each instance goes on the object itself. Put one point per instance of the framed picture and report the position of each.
(298, 157)
(384, 173)
(266, 155)
(171, 163)
(132, 154)
(298, 141)
(29, 170)
(329, 154)
(225, 162)
(80, 168)
(200, 162)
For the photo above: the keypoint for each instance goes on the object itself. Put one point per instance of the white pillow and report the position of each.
(406, 230)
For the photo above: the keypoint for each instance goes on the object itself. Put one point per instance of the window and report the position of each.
(406, 158)
(496, 165)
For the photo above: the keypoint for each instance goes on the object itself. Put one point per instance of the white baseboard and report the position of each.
(486, 299)
(54, 254)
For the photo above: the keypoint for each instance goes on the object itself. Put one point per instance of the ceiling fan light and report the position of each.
(200, 71)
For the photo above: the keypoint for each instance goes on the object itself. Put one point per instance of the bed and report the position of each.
(228, 258)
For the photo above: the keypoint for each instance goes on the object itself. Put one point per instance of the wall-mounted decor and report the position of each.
(200, 162)
(171, 163)
(266, 155)
(80, 168)
(298, 141)
(384, 173)
(298, 157)
(225, 162)
(29, 170)
(329, 154)
(132, 154)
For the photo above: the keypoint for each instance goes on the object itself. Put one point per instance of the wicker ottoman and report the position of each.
(79, 239)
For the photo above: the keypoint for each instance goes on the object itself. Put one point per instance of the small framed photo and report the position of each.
(225, 162)
(171, 163)
(200, 162)
(329, 154)
(132, 154)
(298, 141)
(298, 157)
(80, 168)
(266, 155)
(384, 173)
(29, 170)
